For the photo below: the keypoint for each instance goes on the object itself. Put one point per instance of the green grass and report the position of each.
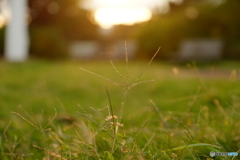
(194, 111)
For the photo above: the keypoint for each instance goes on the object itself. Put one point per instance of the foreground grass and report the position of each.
(192, 109)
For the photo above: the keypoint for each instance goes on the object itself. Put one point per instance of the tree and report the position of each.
(211, 20)
(75, 22)
(61, 21)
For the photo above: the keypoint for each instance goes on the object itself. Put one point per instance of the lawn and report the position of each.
(55, 110)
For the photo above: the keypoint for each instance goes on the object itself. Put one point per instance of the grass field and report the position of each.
(55, 110)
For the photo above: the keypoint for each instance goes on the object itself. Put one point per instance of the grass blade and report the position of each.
(127, 68)
(148, 64)
(113, 82)
(190, 146)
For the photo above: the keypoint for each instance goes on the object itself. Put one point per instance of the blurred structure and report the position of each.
(16, 42)
(56, 25)
(192, 29)
(117, 49)
(100, 50)
(193, 20)
(85, 49)
(200, 49)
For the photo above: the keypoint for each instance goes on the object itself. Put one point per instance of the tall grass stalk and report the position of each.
(126, 86)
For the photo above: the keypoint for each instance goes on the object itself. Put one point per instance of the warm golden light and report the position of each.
(2, 21)
(107, 17)
(113, 2)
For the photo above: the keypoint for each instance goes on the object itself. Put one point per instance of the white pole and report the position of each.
(16, 42)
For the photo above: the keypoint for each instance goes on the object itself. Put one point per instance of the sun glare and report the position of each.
(2, 21)
(113, 2)
(108, 17)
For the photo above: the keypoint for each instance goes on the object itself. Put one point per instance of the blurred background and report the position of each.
(43, 100)
(97, 29)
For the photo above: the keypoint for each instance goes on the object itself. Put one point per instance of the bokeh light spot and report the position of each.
(108, 17)
(53, 8)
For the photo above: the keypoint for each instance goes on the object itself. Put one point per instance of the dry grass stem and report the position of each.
(194, 99)
(114, 127)
(142, 127)
(110, 104)
(88, 117)
(100, 129)
(5, 130)
(160, 114)
(220, 108)
(196, 71)
(234, 110)
(199, 115)
(149, 141)
(51, 153)
(98, 113)
(113, 82)
(123, 103)
(148, 64)
(28, 113)
(130, 119)
(135, 84)
(55, 115)
(235, 156)
(127, 68)
(26, 120)
(116, 70)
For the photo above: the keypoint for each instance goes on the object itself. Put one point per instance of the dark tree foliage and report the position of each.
(73, 21)
(54, 24)
(192, 19)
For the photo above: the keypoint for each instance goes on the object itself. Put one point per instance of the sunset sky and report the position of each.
(111, 12)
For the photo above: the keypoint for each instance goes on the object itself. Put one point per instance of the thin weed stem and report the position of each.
(149, 141)
(110, 104)
(186, 147)
(127, 67)
(234, 110)
(55, 115)
(135, 84)
(112, 120)
(194, 99)
(100, 129)
(28, 114)
(116, 70)
(123, 103)
(148, 64)
(199, 116)
(235, 156)
(88, 117)
(114, 127)
(5, 130)
(142, 127)
(98, 113)
(160, 115)
(113, 82)
(26, 120)
(189, 151)
(50, 152)
(196, 71)
(130, 119)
